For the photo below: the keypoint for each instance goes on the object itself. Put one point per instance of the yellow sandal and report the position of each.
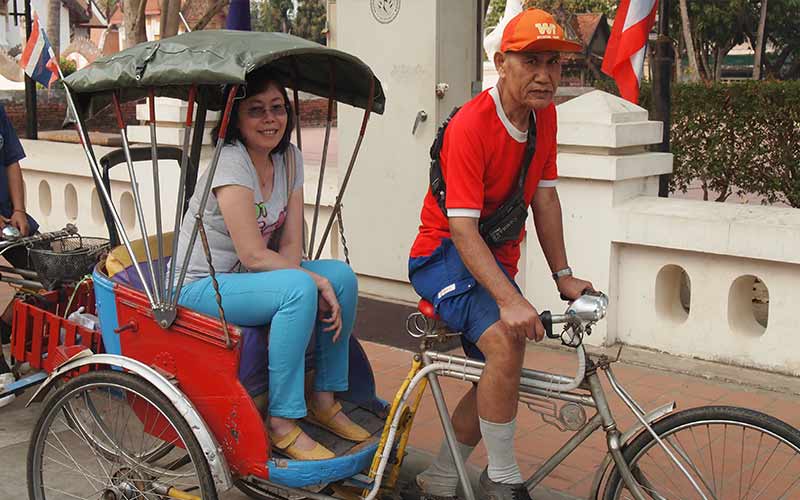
(324, 419)
(286, 442)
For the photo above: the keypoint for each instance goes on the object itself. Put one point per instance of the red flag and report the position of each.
(624, 58)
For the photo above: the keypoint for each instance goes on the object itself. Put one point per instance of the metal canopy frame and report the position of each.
(162, 296)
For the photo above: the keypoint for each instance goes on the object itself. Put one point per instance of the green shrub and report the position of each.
(67, 67)
(736, 138)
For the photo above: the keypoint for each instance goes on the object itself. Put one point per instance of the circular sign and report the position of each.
(384, 11)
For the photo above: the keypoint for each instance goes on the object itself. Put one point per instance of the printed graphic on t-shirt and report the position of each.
(265, 228)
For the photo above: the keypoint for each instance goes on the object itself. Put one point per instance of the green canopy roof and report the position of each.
(217, 57)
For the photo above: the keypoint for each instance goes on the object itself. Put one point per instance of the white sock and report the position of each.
(499, 442)
(441, 478)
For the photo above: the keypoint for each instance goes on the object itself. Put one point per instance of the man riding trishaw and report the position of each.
(496, 156)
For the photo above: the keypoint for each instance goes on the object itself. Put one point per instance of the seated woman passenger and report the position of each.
(248, 207)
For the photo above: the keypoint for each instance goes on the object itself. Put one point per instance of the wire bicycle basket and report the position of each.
(67, 259)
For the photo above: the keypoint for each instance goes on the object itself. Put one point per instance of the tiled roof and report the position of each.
(153, 7)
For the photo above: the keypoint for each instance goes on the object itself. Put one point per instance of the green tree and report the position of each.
(271, 15)
(718, 25)
(607, 7)
(498, 7)
(311, 20)
(783, 34)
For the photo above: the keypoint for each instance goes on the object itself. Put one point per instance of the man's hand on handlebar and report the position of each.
(522, 319)
(571, 287)
(20, 221)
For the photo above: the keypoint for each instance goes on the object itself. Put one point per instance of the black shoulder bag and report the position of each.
(508, 221)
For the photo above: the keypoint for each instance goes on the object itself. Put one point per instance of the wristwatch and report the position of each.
(567, 271)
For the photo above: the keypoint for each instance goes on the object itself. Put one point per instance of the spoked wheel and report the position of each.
(730, 453)
(109, 435)
(89, 414)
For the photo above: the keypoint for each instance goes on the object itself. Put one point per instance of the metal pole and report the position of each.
(449, 432)
(157, 193)
(106, 196)
(328, 123)
(338, 205)
(181, 190)
(662, 79)
(223, 128)
(137, 199)
(31, 131)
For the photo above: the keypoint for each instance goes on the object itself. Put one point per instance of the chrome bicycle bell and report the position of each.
(10, 233)
(589, 308)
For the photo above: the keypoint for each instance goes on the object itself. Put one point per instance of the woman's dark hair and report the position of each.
(258, 82)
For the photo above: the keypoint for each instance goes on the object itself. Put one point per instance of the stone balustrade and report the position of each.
(700, 279)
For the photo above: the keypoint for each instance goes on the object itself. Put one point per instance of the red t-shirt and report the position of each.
(480, 162)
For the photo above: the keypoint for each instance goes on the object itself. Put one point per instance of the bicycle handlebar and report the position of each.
(584, 311)
(69, 230)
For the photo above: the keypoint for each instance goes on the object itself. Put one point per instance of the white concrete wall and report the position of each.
(426, 44)
(15, 35)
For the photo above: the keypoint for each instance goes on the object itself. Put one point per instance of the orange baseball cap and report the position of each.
(535, 30)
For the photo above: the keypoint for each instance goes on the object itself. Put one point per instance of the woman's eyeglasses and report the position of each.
(260, 112)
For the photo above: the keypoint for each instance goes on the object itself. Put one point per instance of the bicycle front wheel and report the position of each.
(111, 435)
(728, 452)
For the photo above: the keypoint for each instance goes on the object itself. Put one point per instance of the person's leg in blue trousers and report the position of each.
(332, 358)
(287, 300)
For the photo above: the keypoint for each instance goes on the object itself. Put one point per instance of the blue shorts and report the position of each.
(463, 304)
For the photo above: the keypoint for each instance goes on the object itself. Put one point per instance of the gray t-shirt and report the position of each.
(234, 168)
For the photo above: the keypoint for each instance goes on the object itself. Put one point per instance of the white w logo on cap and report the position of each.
(546, 28)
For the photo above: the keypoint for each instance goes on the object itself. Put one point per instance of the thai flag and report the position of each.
(624, 58)
(38, 59)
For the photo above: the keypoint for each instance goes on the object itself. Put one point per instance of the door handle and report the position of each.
(421, 117)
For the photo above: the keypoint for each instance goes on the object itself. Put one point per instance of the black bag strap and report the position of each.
(530, 150)
(436, 178)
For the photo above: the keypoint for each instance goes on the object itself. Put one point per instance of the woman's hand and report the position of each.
(329, 310)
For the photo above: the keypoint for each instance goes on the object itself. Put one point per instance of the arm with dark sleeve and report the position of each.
(12, 153)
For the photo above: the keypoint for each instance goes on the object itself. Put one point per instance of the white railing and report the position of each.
(709, 280)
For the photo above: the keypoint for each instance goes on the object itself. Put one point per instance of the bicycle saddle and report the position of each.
(427, 309)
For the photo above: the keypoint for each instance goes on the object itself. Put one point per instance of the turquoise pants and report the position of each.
(286, 299)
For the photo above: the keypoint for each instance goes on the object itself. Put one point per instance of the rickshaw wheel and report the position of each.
(96, 438)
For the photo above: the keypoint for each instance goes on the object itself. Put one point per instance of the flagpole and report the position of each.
(31, 128)
(662, 92)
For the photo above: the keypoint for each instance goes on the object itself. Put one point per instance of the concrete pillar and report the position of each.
(170, 122)
(415, 49)
(602, 162)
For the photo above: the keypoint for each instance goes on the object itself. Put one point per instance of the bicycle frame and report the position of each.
(589, 394)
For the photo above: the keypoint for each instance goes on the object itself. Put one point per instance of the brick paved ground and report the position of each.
(535, 440)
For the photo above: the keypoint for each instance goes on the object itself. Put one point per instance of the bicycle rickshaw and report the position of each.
(159, 403)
